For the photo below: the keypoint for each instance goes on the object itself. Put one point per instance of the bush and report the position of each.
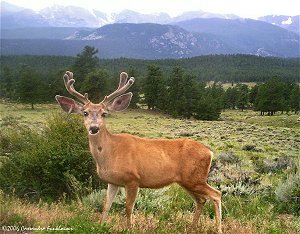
(288, 192)
(272, 165)
(55, 155)
(94, 200)
(229, 157)
(15, 137)
(231, 179)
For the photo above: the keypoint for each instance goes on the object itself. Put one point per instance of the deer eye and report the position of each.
(85, 113)
(104, 114)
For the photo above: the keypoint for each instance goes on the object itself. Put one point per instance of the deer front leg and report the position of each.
(111, 193)
(131, 194)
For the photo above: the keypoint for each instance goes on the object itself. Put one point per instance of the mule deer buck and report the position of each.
(124, 160)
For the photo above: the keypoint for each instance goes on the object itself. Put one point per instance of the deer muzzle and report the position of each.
(94, 130)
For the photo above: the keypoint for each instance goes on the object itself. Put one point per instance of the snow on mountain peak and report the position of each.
(288, 21)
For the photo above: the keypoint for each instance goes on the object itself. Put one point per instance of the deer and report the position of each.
(132, 162)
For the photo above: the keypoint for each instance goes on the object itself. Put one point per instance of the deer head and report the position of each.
(94, 113)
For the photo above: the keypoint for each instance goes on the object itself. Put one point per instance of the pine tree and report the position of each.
(7, 83)
(253, 94)
(29, 86)
(208, 107)
(154, 88)
(270, 97)
(96, 84)
(176, 98)
(243, 96)
(85, 62)
(189, 97)
(294, 101)
(231, 98)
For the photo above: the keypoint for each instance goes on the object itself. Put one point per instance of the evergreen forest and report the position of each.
(191, 87)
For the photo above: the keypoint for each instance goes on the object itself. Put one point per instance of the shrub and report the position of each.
(55, 155)
(288, 192)
(152, 200)
(251, 148)
(271, 165)
(15, 137)
(229, 157)
(148, 200)
(231, 179)
(94, 200)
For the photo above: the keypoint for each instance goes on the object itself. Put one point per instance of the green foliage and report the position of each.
(288, 192)
(15, 137)
(243, 96)
(227, 174)
(272, 165)
(96, 84)
(182, 94)
(59, 165)
(81, 223)
(210, 102)
(29, 87)
(237, 97)
(154, 88)
(85, 63)
(152, 201)
(277, 95)
(223, 68)
(94, 200)
(7, 83)
(231, 97)
(294, 99)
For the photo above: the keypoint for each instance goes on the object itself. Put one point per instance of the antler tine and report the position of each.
(123, 79)
(124, 85)
(69, 83)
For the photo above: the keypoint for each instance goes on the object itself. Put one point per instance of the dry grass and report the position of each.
(49, 215)
(41, 214)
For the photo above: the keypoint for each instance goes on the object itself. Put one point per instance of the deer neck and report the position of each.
(100, 143)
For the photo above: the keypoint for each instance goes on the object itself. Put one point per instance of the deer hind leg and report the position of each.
(199, 202)
(131, 194)
(111, 193)
(209, 192)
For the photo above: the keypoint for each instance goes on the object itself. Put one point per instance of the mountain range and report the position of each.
(65, 30)
(72, 16)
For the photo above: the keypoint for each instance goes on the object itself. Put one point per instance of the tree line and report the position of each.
(181, 95)
(174, 91)
(221, 68)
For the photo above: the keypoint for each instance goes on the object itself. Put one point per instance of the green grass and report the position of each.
(254, 140)
(253, 117)
(22, 113)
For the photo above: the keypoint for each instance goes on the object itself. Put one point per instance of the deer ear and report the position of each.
(69, 105)
(120, 103)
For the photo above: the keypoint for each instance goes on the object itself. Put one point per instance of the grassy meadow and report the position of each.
(252, 156)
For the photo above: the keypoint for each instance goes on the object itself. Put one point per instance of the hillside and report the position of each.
(155, 41)
(248, 36)
(246, 68)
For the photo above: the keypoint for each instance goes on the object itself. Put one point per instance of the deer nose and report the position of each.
(94, 129)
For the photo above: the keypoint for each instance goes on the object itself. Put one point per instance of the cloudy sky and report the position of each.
(243, 8)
